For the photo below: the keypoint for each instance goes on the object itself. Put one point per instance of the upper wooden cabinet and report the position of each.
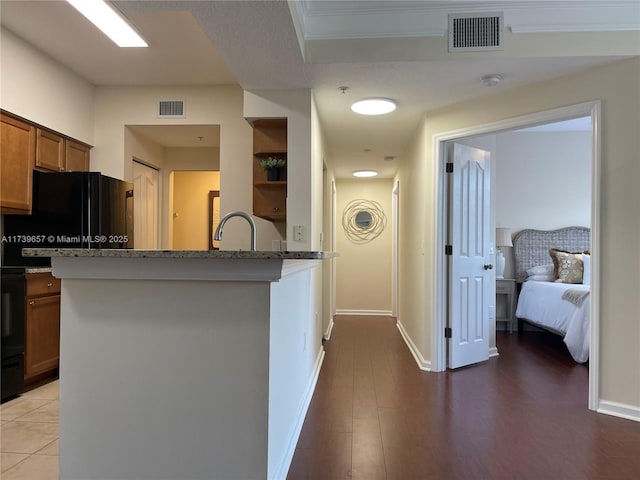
(58, 154)
(76, 157)
(17, 155)
(269, 197)
(49, 151)
(26, 146)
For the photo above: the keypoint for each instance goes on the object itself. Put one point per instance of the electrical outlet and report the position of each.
(492, 312)
(298, 233)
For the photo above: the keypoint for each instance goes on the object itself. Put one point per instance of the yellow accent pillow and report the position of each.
(567, 266)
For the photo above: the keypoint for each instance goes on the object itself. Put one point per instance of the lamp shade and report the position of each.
(503, 237)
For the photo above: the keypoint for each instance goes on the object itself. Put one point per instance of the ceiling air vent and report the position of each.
(471, 32)
(171, 109)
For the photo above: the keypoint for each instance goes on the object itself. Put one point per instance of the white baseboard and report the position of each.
(327, 335)
(493, 352)
(281, 472)
(422, 363)
(630, 412)
(379, 313)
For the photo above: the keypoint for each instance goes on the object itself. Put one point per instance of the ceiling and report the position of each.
(396, 49)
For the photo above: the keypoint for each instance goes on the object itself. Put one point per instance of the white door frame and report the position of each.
(394, 247)
(439, 279)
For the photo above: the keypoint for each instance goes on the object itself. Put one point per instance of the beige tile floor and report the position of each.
(29, 435)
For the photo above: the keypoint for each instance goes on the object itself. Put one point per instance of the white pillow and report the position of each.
(541, 270)
(586, 269)
(540, 278)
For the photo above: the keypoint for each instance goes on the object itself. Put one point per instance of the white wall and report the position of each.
(295, 106)
(543, 180)
(117, 107)
(363, 271)
(619, 206)
(39, 89)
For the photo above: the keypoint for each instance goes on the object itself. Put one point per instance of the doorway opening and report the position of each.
(589, 109)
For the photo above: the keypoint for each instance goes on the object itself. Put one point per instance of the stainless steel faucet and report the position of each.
(217, 236)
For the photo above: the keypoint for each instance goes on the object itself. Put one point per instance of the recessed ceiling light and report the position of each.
(111, 23)
(374, 106)
(365, 173)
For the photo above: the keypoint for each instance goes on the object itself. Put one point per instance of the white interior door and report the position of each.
(146, 190)
(470, 271)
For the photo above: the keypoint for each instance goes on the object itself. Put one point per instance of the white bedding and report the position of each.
(542, 303)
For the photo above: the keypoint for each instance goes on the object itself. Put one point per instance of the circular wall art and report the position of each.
(363, 220)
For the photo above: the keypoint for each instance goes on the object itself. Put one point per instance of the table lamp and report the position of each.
(503, 239)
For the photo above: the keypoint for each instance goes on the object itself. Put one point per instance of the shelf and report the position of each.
(265, 154)
(276, 184)
(273, 217)
(269, 197)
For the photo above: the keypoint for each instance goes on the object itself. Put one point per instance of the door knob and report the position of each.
(488, 266)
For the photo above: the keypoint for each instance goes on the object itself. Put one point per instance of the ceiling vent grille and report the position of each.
(475, 33)
(171, 109)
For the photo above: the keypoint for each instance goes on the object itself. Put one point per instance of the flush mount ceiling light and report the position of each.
(374, 106)
(365, 173)
(109, 21)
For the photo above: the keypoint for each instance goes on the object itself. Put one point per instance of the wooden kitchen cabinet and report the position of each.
(17, 156)
(42, 326)
(26, 146)
(49, 151)
(59, 154)
(269, 197)
(76, 157)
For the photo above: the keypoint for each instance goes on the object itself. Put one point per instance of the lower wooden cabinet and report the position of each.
(42, 326)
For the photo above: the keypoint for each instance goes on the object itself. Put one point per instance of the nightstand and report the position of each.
(507, 287)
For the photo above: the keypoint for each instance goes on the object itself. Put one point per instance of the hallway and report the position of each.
(375, 415)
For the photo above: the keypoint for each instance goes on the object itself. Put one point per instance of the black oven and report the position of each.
(12, 326)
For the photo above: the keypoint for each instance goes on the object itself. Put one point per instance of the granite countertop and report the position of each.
(202, 254)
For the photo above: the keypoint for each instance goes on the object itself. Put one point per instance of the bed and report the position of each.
(540, 300)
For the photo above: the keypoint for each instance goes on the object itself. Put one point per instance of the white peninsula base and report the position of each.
(167, 377)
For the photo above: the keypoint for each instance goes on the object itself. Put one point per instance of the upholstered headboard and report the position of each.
(531, 247)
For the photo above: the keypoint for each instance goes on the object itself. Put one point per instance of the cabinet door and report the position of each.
(49, 151)
(76, 157)
(42, 334)
(17, 156)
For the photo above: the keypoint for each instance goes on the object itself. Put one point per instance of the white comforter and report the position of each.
(542, 303)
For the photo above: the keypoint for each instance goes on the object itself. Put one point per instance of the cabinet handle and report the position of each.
(32, 302)
(275, 209)
(62, 169)
(488, 267)
(50, 284)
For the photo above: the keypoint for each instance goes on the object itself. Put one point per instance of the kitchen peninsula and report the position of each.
(184, 364)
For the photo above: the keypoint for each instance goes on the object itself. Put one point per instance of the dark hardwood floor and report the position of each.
(522, 415)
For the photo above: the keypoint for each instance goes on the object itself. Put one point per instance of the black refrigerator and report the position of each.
(71, 210)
